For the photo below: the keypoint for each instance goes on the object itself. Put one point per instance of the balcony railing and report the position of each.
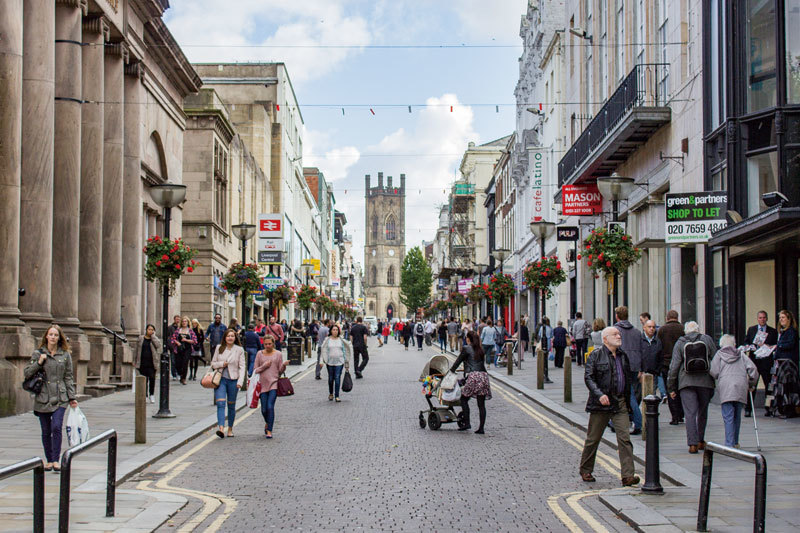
(641, 88)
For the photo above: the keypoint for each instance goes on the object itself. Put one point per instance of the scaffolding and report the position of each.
(462, 235)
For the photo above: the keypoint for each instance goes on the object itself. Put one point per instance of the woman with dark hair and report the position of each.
(476, 379)
(230, 358)
(785, 382)
(336, 353)
(146, 359)
(198, 350)
(270, 365)
(58, 391)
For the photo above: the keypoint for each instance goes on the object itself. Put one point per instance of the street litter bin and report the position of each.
(294, 350)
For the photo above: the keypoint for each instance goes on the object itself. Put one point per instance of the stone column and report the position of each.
(66, 179)
(113, 139)
(95, 34)
(15, 339)
(38, 78)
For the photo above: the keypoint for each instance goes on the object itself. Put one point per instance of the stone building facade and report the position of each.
(91, 114)
(385, 246)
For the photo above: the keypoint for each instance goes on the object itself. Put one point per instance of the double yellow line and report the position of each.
(211, 501)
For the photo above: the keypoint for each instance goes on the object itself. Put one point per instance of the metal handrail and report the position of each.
(66, 471)
(760, 503)
(116, 336)
(122, 337)
(37, 465)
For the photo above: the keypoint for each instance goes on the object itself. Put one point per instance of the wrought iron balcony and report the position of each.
(635, 111)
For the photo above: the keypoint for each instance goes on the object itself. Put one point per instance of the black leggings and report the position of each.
(150, 374)
(194, 362)
(481, 409)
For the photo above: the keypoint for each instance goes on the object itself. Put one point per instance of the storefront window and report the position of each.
(720, 290)
(792, 51)
(762, 177)
(791, 181)
(760, 55)
(717, 75)
(719, 180)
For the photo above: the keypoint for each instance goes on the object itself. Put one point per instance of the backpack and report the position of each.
(695, 357)
(419, 329)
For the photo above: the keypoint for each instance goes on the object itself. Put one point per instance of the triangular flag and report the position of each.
(371, 111)
(277, 107)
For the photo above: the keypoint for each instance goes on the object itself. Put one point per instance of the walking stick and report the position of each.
(755, 423)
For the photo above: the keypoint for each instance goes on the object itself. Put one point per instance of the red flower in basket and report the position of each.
(158, 263)
(190, 269)
(177, 266)
(165, 257)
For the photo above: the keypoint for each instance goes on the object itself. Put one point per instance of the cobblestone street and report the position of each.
(365, 464)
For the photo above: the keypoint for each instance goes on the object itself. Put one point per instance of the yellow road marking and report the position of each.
(552, 501)
(573, 500)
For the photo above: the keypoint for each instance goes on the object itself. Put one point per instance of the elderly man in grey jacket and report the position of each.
(696, 386)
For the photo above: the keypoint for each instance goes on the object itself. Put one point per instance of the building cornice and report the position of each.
(168, 54)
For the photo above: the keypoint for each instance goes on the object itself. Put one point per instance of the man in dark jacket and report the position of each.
(173, 350)
(559, 343)
(669, 334)
(215, 332)
(632, 346)
(652, 356)
(767, 336)
(608, 377)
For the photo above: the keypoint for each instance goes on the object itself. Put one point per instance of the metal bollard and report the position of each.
(647, 390)
(652, 470)
(540, 355)
(140, 411)
(509, 359)
(567, 379)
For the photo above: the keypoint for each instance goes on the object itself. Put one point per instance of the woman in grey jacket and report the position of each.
(57, 392)
(336, 353)
(736, 376)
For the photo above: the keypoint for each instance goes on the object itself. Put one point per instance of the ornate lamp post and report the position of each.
(244, 232)
(320, 279)
(615, 188)
(167, 196)
(541, 229)
(479, 269)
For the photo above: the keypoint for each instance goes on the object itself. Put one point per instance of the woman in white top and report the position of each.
(336, 353)
(229, 357)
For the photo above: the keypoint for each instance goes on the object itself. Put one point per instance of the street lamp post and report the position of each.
(167, 196)
(320, 279)
(501, 254)
(479, 269)
(541, 229)
(305, 268)
(615, 188)
(244, 232)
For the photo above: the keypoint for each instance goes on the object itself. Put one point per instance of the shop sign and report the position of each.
(270, 245)
(316, 268)
(270, 226)
(270, 257)
(260, 294)
(693, 217)
(272, 282)
(464, 285)
(567, 233)
(581, 200)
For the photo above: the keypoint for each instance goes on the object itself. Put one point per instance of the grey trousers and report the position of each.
(597, 425)
(695, 402)
(318, 369)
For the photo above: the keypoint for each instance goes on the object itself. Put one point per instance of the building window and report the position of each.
(588, 68)
(762, 177)
(603, 50)
(374, 227)
(690, 9)
(717, 48)
(373, 275)
(391, 234)
(720, 281)
(792, 11)
(640, 34)
(663, 82)
(390, 276)
(760, 55)
(619, 24)
(220, 185)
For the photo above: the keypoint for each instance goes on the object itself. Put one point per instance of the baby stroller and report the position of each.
(432, 374)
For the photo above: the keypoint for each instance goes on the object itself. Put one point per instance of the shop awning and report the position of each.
(760, 233)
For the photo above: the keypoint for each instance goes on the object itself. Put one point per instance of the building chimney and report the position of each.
(402, 182)
(389, 182)
(380, 180)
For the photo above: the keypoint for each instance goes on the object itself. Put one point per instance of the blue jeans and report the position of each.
(637, 412)
(251, 359)
(334, 379)
(488, 352)
(227, 389)
(443, 343)
(51, 424)
(662, 387)
(732, 417)
(268, 407)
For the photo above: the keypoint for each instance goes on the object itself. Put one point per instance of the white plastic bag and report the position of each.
(253, 390)
(449, 382)
(453, 395)
(77, 426)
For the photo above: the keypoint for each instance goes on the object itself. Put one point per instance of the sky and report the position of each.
(374, 58)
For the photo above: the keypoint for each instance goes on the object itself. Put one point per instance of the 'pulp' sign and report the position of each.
(695, 216)
(567, 233)
(581, 200)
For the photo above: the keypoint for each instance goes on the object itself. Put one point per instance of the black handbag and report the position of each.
(347, 382)
(34, 383)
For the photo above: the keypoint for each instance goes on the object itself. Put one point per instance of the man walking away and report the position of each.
(632, 345)
(669, 334)
(652, 358)
(736, 374)
(359, 334)
(379, 330)
(607, 376)
(214, 333)
(173, 350)
(758, 336)
(252, 345)
(453, 329)
(429, 329)
(419, 332)
(580, 332)
(689, 374)
(408, 332)
(322, 333)
(559, 343)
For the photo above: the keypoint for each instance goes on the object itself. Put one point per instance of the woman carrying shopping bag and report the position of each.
(229, 358)
(476, 383)
(57, 390)
(336, 354)
(269, 366)
(146, 359)
(183, 340)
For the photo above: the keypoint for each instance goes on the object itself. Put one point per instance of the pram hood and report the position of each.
(438, 364)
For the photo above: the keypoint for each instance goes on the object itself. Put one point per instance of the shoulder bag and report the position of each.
(347, 382)
(34, 383)
(285, 387)
(213, 377)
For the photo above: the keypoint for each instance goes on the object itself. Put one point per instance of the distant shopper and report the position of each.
(559, 343)
(296, 329)
(487, 338)
(378, 331)
(184, 340)
(214, 333)
(787, 347)
(580, 333)
(632, 345)
(270, 365)
(322, 334)
(173, 350)
(336, 355)
(735, 374)
(607, 376)
(359, 334)
(689, 374)
(500, 335)
(252, 345)
(408, 333)
(524, 337)
(386, 332)
(147, 358)
(419, 333)
(198, 350)
(277, 332)
(58, 391)
(761, 336)
(230, 358)
(477, 379)
(545, 336)
(669, 334)
(598, 325)
(453, 330)
(785, 379)
(442, 332)
(652, 356)
(313, 330)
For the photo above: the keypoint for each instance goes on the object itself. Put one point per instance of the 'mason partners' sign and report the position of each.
(695, 216)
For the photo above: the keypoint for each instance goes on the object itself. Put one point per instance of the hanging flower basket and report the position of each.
(441, 305)
(306, 297)
(282, 295)
(501, 289)
(457, 300)
(477, 293)
(167, 261)
(241, 277)
(544, 274)
(322, 302)
(609, 252)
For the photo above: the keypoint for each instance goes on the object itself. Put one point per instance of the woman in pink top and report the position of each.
(269, 365)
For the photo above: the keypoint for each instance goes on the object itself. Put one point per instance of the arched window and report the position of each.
(374, 227)
(374, 275)
(390, 276)
(391, 234)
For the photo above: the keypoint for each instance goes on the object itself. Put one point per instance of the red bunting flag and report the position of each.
(371, 110)
(278, 107)
(451, 109)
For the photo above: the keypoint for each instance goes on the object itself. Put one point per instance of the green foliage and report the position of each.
(167, 260)
(241, 276)
(306, 297)
(477, 293)
(415, 280)
(609, 252)
(545, 274)
(457, 300)
(282, 295)
(501, 289)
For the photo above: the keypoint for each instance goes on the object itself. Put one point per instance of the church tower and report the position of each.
(385, 247)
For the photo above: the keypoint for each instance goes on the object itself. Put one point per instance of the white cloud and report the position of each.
(497, 20)
(335, 162)
(236, 33)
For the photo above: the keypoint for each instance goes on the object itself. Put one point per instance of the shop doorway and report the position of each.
(759, 291)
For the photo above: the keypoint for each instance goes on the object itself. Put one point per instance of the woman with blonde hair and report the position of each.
(183, 340)
(229, 357)
(58, 390)
(198, 350)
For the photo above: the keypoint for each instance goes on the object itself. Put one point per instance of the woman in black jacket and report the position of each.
(477, 380)
(408, 331)
(787, 347)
